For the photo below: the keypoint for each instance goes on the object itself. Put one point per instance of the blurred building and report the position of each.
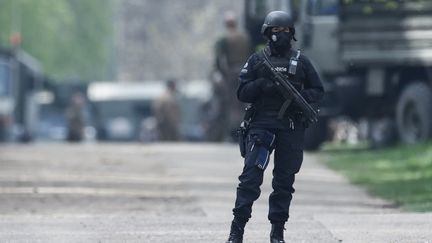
(165, 38)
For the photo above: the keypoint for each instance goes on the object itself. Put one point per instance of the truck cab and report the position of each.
(316, 30)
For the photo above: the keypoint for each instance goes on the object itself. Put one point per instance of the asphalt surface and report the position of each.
(177, 193)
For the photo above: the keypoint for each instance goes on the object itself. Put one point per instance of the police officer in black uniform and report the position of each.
(283, 131)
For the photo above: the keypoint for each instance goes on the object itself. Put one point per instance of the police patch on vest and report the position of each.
(244, 70)
(281, 69)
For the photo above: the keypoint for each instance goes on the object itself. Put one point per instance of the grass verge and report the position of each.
(401, 174)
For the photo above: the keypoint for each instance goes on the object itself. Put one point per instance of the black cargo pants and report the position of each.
(288, 157)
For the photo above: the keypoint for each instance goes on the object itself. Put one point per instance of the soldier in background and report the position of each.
(231, 52)
(75, 118)
(167, 113)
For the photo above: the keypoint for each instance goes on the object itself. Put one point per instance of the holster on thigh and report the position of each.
(261, 145)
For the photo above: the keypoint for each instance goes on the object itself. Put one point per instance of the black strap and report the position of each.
(283, 108)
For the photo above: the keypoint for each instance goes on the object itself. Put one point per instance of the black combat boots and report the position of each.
(237, 230)
(277, 233)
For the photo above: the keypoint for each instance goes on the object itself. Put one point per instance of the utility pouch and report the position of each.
(262, 145)
(241, 135)
(242, 131)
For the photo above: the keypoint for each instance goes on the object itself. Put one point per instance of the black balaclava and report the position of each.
(280, 41)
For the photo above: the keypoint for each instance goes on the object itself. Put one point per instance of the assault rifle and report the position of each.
(289, 92)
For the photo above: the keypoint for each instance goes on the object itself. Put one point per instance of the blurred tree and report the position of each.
(72, 38)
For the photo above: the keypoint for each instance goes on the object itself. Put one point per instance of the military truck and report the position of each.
(374, 56)
(20, 77)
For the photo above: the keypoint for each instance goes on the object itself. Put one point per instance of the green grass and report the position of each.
(402, 174)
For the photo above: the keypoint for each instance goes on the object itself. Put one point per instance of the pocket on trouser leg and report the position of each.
(297, 139)
(260, 147)
(296, 160)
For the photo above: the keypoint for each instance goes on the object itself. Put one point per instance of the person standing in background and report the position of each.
(231, 51)
(167, 113)
(75, 118)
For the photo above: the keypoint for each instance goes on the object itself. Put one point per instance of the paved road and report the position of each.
(176, 193)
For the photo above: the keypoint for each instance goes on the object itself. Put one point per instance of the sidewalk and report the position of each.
(177, 193)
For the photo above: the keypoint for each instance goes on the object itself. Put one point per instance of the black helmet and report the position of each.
(277, 19)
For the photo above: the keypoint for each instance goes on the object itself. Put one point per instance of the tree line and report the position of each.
(73, 39)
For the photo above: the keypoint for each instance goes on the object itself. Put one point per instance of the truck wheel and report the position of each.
(316, 134)
(414, 113)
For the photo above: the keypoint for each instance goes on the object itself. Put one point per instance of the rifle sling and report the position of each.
(283, 109)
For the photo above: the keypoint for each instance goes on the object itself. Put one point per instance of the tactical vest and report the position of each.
(272, 103)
